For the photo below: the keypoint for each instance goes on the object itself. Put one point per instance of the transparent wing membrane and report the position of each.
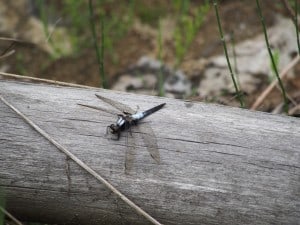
(130, 151)
(118, 105)
(149, 140)
(112, 112)
(144, 129)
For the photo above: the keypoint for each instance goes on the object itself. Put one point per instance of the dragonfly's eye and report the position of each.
(112, 128)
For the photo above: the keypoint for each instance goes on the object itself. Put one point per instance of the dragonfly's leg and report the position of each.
(107, 131)
(107, 128)
(130, 149)
(137, 109)
(130, 131)
(118, 134)
(128, 128)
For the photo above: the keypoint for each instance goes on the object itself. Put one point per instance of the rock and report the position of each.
(16, 21)
(144, 75)
(253, 63)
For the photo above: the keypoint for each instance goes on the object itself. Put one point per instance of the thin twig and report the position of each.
(9, 49)
(289, 97)
(21, 77)
(10, 216)
(7, 54)
(293, 110)
(288, 8)
(82, 164)
(294, 17)
(15, 40)
(51, 33)
(265, 93)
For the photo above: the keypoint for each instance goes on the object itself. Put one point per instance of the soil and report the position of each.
(238, 17)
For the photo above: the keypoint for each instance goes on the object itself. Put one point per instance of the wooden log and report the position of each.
(219, 165)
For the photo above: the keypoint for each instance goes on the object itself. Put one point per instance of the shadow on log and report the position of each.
(219, 165)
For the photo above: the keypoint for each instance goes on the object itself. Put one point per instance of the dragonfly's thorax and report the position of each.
(123, 122)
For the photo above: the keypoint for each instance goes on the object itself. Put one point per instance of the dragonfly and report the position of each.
(126, 119)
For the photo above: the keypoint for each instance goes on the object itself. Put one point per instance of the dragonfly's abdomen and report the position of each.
(141, 115)
(138, 116)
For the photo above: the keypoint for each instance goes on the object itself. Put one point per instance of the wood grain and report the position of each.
(219, 165)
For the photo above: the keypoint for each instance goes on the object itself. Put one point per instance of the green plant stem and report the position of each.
(234, 59)
(2, 206)
(296, 25)
(187, 27)
(44, 18)
(239, 96)
(101, 60)
(272, 58)
(160, 77)
(99, 52)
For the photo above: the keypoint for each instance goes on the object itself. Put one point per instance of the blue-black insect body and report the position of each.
(126, 120)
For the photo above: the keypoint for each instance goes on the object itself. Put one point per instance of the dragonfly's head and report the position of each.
(113, 129)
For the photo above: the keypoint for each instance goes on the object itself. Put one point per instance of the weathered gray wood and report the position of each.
(219, 165)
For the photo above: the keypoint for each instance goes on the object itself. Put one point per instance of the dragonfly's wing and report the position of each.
(130, 151)
(150, 140)
(146, 132)
(118, 105)
(110, 111)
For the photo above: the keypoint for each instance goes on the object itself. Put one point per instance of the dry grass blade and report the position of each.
(16, 221)
(41, 80)
(8, 51)
(293, 110)
(14, 39)
(267, 91)
(7, 54)
(139, 210)
(288, 9)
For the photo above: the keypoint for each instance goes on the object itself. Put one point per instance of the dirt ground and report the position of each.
(238, 17)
